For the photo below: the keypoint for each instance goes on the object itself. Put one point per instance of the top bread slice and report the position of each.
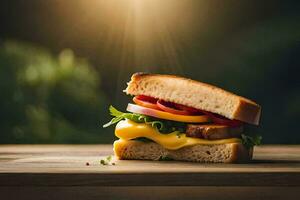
(194, 94)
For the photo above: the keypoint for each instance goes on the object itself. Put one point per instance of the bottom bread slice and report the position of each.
(217, 153)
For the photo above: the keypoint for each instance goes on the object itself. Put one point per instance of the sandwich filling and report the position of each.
(175, 126)
(128, 130)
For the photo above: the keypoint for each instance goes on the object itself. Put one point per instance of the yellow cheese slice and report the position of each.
(128, 130)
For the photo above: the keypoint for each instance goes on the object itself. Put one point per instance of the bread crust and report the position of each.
(195, 94)
(223, 153)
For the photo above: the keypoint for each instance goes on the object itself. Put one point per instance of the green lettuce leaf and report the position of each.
(250, 141)
(163, 126)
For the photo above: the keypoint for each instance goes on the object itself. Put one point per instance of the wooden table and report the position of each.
(61, 172)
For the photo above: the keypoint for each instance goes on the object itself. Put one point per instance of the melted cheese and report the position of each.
(128, 130)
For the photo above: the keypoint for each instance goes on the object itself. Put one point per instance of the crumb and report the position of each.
(87, 164)
(107, 161)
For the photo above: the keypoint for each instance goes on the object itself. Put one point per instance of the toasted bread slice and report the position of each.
(195, 94)
(221, 153)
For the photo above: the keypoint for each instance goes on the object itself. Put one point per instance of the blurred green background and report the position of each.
(62, 63)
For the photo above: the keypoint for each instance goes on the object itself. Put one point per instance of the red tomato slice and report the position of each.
(188, 109)
(218, 119)
(146, 101)
(170, 107)
(147, 98)
(167, 115)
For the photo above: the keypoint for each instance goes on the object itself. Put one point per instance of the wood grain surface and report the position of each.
(65, 166)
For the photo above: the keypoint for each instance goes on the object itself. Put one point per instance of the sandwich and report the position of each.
(175, 118)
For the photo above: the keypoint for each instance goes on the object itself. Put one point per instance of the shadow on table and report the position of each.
(275, 161)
